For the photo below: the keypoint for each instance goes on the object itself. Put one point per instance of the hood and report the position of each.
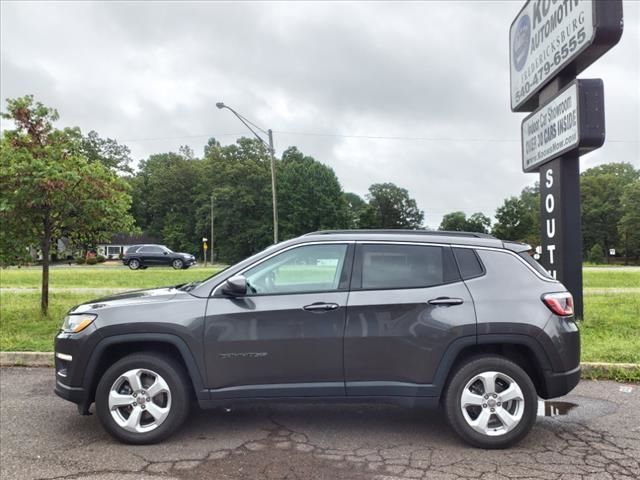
(151, 295)
(187, 255)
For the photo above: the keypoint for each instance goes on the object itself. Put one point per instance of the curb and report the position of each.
(26, 359)
(45, 359)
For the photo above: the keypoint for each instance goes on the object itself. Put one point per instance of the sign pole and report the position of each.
(560, 219)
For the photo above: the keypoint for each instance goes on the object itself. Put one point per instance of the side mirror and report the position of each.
(235, 286)
(166, 253)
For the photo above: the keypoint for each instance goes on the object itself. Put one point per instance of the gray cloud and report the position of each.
(149, 74)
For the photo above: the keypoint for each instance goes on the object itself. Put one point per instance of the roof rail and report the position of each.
(446, 233)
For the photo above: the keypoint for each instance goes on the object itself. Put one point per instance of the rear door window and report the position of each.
(391, 266)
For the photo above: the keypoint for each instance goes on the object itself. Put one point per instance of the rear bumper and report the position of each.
(558, 384)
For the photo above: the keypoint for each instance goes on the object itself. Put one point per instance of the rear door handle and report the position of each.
(446, 301)
(321, 307)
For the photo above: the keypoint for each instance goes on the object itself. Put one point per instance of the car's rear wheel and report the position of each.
(143, 398)
(178, 264)
(490, 402)
(134, 264)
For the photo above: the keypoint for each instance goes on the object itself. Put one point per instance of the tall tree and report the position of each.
(601, 191)
(391, 207)
(49, 189)
(458, 222)
(164, 194)
(355, 208)
(239, 178)
(518, 217)
(629, 223)
(310, 195)
(106, 151)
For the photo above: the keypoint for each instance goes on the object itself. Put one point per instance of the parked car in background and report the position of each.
(150, 255)
(459, 320)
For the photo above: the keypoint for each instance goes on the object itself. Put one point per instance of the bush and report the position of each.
(100, 258)
(92, 261)
(80, 260)
(596, 254)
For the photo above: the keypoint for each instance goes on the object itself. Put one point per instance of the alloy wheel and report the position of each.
(492, 403)
(139, 400)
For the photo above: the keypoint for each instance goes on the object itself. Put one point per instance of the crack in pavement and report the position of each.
(598, 440)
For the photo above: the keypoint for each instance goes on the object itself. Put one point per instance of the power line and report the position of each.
(343, 135)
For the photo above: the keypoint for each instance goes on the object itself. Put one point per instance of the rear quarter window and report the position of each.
(468, 263)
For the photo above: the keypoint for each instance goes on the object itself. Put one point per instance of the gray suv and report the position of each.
(458, 320)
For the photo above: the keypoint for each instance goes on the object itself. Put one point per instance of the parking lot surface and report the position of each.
(41, 436)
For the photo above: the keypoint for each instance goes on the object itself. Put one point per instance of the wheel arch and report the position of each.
(523, 350)
(111, 349)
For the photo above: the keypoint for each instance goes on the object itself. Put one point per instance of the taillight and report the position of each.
(559, 303)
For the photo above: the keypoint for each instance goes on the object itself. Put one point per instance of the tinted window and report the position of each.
(131, 249)
(404, 266)
(151, 249)
(468, 262)
(312, 268)
(534, 263)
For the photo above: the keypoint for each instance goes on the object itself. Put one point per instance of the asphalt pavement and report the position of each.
(42, 437)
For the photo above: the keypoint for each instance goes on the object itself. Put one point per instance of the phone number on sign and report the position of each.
(550, 65)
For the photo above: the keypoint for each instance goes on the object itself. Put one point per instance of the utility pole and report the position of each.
(274, 199)
(248, 123)
(212, 229)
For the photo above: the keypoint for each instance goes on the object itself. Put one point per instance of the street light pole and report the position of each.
(211, 230)
(247, 123)
(274, 199)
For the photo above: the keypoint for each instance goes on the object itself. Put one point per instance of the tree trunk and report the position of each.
(46, 247)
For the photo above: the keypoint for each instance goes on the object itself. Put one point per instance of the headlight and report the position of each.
(77, 323)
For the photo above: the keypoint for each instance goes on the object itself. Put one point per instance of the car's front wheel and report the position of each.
(178, 264)
(143, 398)
(491, 402)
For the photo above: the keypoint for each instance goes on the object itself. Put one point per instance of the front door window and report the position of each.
(311, 268)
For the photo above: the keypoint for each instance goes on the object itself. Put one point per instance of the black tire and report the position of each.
(453, 405)
(171, 372)
(134, 264)
(177, 264)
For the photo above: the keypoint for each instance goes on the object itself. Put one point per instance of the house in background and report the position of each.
(119, 244)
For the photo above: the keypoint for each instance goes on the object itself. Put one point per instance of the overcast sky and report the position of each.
(326, 77)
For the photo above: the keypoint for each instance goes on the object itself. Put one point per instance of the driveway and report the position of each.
(41, 436)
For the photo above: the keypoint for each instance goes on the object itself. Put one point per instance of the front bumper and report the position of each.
(77, 395)
(71, 358)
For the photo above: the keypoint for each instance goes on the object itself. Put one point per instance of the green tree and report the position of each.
(601, 190)
(390, 207)
(518, 218)
(629, 223)
(458, 222)
(454, 222)
(164, 198)
(49, 189)
(355, 208)
(596, 254)
(239, 178)
(310, 196)
(106, 151)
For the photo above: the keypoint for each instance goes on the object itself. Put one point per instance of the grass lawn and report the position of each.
(103, 277)
(610, 332)
(611, 278)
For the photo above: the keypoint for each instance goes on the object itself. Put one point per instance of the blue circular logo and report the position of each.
(521, 42)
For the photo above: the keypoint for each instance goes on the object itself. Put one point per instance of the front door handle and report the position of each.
(321, 307)
(446, 301)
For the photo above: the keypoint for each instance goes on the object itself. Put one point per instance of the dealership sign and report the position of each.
(572, 120)
(549, 37)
